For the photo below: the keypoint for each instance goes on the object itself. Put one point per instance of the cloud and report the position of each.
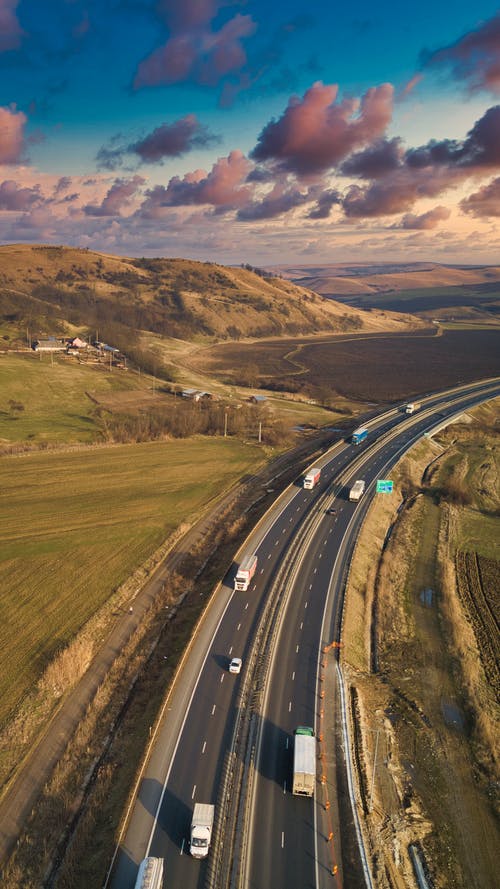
(11, 135)
(399, 179)
(10, 29)
(377, 160)
(425, 221)
(409, 87)
(222, 188)
(278, 201)
(62, 184)
(195, 51)
(480, 149)
(184, 15)
(324, 204)
(167, 140)
(117, 198)
(13, 197)
(485, 202)
(474, 58)
(396, 193)
(316, 132)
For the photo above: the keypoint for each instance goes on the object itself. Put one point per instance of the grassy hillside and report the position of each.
(61, 289)
(46, 400)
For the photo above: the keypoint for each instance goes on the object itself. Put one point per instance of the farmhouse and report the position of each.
(76, 343)
(51, 344)
(196, 395)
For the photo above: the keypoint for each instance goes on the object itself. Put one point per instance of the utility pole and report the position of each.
(225, 424)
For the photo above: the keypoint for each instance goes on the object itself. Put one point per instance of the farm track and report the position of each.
(479, 591)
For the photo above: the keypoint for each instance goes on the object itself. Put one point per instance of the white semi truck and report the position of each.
(304, 761)
(312, 478)
(201, 829)
(357, 490)
(246, 571)
(411, 407)
(150, 875)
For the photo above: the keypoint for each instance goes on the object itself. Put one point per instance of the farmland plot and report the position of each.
(77, 524)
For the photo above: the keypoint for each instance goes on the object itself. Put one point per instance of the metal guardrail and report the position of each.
(233, 805)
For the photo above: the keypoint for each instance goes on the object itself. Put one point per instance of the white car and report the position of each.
(235, 665)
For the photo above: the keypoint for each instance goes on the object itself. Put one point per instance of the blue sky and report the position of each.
(289, 132)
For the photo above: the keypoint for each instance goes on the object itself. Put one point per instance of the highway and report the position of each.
(285, 836)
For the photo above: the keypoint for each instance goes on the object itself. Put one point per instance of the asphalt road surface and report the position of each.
(288, 836)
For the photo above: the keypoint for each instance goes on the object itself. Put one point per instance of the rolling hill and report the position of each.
(342, 279)
(61, 289)
(426, 289)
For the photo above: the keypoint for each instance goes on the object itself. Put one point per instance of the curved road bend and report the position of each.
(289, 837)
(197, 730)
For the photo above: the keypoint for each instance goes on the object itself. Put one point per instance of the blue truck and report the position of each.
(359, 435)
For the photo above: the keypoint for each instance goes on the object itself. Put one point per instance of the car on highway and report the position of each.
(331, 511)
(235, 665)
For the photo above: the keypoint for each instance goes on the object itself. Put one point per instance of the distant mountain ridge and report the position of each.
(350, 279)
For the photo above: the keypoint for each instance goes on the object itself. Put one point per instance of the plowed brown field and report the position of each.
(370, 368)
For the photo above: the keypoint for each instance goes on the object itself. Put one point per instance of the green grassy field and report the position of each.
(55, 407)
(75, 525)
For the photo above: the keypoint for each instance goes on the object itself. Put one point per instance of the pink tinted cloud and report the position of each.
(426, 221)
(280, 200)
(474, 58)
(11, 135)
(316, 132)
(399, 179)
(167, 140)
(183, 15)
(485, 202)
(197, 53)
(397, 192)
(410, 86)
(222, 187)
(480, 149)
(172, 140)
(117, 198)
(10, 29)
(380, 158)
(14, 197)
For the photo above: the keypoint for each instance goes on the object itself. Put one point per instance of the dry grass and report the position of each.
(216, 298)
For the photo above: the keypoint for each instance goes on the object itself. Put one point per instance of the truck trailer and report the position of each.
(357, 490)
(246, 571)
(150, 875)
(359, 435)
(304, 761)
(411, 407)
(312, 478)
(201, 829)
